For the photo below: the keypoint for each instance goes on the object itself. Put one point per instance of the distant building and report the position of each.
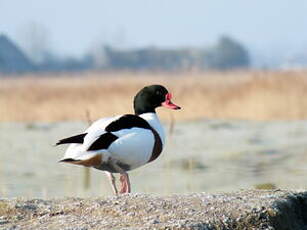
(225, 55)
(12, 59)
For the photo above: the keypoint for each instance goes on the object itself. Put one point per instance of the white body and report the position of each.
(133, 147)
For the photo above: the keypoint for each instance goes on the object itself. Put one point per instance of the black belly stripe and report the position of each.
(109, 168)
(157, 148)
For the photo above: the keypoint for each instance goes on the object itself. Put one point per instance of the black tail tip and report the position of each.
(67, 160)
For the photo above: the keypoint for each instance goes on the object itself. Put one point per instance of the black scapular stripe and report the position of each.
(127, 121)
(103, 142)
(78, 139)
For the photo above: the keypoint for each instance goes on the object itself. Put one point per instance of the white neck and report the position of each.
(154, 122)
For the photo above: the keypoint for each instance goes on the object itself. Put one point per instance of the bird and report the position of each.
(125, 142)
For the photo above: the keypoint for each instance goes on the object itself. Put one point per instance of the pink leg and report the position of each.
(125, 183)
(112, 181)
(124, 178)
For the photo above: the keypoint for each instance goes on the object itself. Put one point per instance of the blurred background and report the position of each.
(237, 68)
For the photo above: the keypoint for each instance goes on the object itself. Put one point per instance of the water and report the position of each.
(202, 155)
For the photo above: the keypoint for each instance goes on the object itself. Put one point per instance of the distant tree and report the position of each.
(12, 59)
(228, 54)
(53, 63)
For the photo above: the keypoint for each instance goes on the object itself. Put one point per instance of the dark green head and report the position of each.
(151, 97)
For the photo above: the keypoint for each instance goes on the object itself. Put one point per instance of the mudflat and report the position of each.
(200, 156)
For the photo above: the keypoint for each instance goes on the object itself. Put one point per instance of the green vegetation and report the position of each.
(265, 186)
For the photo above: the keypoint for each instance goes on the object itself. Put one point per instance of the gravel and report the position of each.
(249, 209)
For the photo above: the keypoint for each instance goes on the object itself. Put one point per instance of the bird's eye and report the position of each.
(159, 93)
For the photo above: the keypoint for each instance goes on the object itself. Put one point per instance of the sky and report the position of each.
(73, 27)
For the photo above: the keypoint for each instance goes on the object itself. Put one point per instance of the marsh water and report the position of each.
(204, 155)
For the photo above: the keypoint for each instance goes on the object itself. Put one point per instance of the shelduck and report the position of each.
(122, 143)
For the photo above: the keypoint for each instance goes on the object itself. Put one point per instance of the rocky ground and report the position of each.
(249, 209)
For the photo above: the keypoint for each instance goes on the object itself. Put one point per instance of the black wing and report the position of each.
(103, 142)
(127, 121)
(78, 139)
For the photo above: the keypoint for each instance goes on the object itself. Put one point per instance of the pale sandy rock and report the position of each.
(251, 209)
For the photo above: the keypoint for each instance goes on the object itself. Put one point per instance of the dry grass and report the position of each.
(235, 95)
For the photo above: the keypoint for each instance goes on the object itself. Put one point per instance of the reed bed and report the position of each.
(251, 95)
